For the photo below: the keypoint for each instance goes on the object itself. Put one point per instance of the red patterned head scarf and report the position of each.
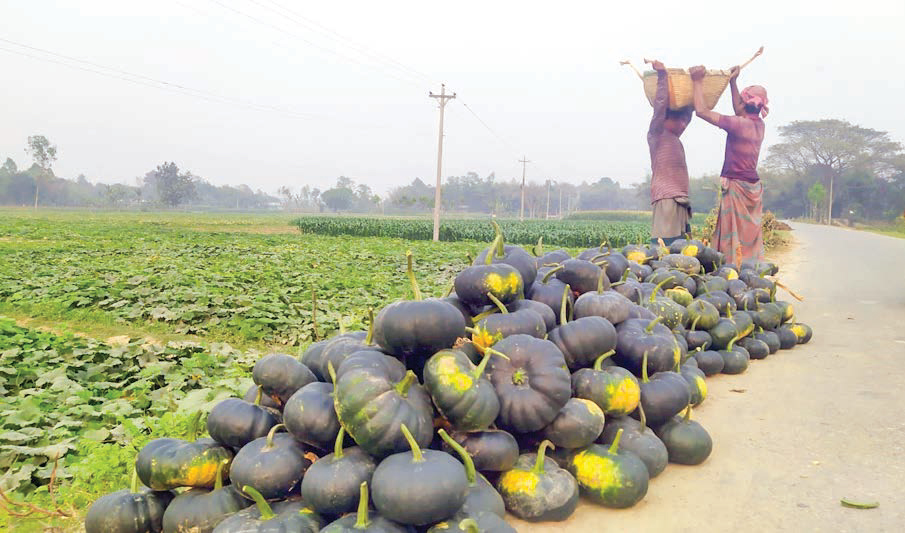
(756, 96)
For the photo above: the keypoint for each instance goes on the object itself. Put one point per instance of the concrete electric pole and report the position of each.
(548, 200)
(521, 212)
(444, 98)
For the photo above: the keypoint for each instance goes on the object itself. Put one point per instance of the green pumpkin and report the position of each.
(662, 396)
(639, 336)
(709, 362)
(638, 439)
(234, 422)
(310, 417)
(364, 520)
(680, 295)
(787, 311)
(538, 490)
(756, 349)
(274, 464)
(735, 358)
(614, 389)
(608, 304)
(701, 314)
(128, 511)
(332, 483)
(200, 510)
(581, 275)
(503, 281)
(608, 476)
(687, 442)
(461, 392)
(769, 338)
(312, 357)
(280, 375)
(372, 402)
(577, 425)
(418, 487)
(480, 523)
(802, 331)
(418, 328)
(543, 310)
(787, 338)
(280, 517)
(251, 396)
(694, 376)
(165, 464)
(671, 312)
(480, 496)
(581, 341)
(492, 327)
(492, 450)
(515, 256)
(685, 263)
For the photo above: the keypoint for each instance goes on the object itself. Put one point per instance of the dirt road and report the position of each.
(815, 424)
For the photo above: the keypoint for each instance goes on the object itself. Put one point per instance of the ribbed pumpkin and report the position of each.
(234, 422)
(492, 450)
(280, 375)
(310, 417)
(460, 390)
(608, 476)
(577, 425)
(165, 464)
(662, 396)
(536, 489)
(274, 464)
(582, 341)
(638, 439)
(614, 389)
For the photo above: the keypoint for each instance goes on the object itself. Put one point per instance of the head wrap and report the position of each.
(756, 96)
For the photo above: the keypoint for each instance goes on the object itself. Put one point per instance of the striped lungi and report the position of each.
(738, 227)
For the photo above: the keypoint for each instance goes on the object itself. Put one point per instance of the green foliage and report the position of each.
(172, 187)
(573, 233)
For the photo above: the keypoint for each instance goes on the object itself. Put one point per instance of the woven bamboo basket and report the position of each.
(680, 87)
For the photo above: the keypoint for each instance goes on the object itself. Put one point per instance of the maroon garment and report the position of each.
(743, 140)
(669, 177)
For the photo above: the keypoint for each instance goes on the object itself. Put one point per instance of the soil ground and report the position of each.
(803, 428)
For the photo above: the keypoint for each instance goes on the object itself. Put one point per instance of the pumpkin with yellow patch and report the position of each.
(614, 389)
(460, 390)
(537, 489)
(608, 476)
(165, 464)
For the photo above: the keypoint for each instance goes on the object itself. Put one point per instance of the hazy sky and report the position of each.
(543, 76)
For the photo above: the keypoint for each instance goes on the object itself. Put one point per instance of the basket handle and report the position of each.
(629, 63)
(755, 56)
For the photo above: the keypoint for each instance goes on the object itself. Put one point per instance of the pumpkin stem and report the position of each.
(653, 294)
(625, 274)
(410, 269)
(481, 316)
(263, 507)
(729, 312)
(654, 322)
(468, 525)
(552, 273)
(643, 417)
(362, 520)
(482, 365)
(338, 446)
(498, 240)
(600, 280)
(417, 456)
(541, 454)
(491, 252)
(466, 458)
(614, 448)
(403, 386)
(687, 416)
(342, 327)
(732, 343)
(133, 487)
(332, 372)
(563, 315)
(451, 289)
(258, 395)
(539, 247)
(218, 480)
(694, 322)
(598, 363)
(644, 376)
(496, 353)
(369, 339)
(496, 301)
(271, 433)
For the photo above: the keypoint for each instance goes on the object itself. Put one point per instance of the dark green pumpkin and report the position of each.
(514, 256)
(711, 283)
(638, 439)
(312, 357)
(316, 357)
(701, 314)
(724, 331)
(251, 396)
(480, 496)
(287, 516)
(474, 283)
(577, 425)
(128, 511)
(532, 383)
(637, 336)
(614, 389)
(200, 510)
(662, 396)
(788, 312)
(802, 331)
(581, 275)
(280, 375)
(548, 291)
(537, 490)
(274, 465)
(608, 304)
(719, 299)
(697, 339)
(769, 338)
(583, 340)
(338, 350)
(686, 263)
(419, 328)
(418, 487)
(735, 358)
(664, 307)
(494, 327)
(709, 362)
(372, 402)
(687, 442)
(310, 417)
(697, 387)
(165, 464)
(473, 523)
(768, 316)
(727, 272)
(787, 338)
(465, 310)
(331, 485)
(541, 309)
(608, 476)
(234, 422)
(365, 520)
(460, 390)
(631, 289)
(756, 349)
(492, 450)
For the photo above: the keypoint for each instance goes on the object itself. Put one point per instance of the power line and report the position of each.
(147, 81)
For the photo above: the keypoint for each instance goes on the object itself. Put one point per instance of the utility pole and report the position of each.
(548, 200)
(560, 200)
(443, 98)
(521, 212)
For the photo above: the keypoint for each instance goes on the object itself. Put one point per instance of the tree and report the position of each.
(44, 154)
(172, 187)
(338, 198)
(816, 196)
(829, 148)
(9, 168)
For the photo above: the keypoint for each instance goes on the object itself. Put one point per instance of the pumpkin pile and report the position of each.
(540, 378)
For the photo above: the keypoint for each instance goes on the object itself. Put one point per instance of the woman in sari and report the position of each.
(738, 232)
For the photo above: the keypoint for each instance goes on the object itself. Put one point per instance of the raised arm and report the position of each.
(737, 105)
(661, 99)
(697, 77)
